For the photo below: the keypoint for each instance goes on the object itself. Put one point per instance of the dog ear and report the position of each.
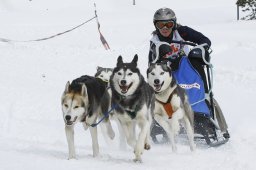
(135, 59)
(148, 71)
(150, 68)
(84, 90)
(151, 64)
(119, 61)
(169, 69)
(98, 68)
(67, 87)
(168, 65)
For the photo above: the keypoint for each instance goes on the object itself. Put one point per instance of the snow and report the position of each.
(33, 76)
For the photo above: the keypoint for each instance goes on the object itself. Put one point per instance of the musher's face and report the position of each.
(165, 27)
(165, 32)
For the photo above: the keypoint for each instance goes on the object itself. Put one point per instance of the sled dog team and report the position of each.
(124, 94)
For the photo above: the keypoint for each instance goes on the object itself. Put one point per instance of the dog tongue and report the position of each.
(124, 88)
(157, 87)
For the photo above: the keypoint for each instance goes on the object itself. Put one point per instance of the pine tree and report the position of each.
(250, 6)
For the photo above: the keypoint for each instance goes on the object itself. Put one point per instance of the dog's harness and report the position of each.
(106, 114)
(132, 114)
(167, 105)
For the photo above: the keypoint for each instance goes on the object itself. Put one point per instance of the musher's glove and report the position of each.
(165, 53)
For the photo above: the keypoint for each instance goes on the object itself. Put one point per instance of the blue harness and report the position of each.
(190, 80)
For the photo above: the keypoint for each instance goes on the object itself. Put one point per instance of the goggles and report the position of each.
(162, 24)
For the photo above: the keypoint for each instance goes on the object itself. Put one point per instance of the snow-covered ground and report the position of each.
(33, 76)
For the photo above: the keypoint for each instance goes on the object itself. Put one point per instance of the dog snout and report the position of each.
(156, 81)
(123, 82)
(68, 117)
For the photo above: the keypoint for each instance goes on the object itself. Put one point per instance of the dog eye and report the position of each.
(161, 73)
(152, 73)
(76, 107)
(129, 74)
(119, 73)
(66, 105)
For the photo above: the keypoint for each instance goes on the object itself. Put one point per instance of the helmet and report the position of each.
(164, 14)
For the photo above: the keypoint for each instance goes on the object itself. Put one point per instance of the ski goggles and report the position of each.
(162, 24)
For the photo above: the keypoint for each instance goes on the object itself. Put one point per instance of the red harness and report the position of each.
(167, 106)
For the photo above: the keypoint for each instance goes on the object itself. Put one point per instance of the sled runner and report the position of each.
(209, 122)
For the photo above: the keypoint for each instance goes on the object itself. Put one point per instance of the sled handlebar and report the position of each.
(184, 43)
(193, 45)
(181, 43)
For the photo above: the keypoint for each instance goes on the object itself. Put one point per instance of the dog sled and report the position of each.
(209, 122)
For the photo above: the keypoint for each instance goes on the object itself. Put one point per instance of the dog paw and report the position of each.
(138, 153)
(147, 146)
(95, 155)
(71, 157)
(137, 160)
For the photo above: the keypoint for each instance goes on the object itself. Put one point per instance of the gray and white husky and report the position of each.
(104, 74)
(133, 100)
(171, 104)
(84, 100)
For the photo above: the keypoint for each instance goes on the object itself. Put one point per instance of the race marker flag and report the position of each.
(103, 40)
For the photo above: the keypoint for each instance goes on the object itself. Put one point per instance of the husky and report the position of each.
(133, 100)
(84, 100)
(171, 104)
(104, 74)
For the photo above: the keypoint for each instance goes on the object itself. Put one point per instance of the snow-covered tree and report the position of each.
(248, 6)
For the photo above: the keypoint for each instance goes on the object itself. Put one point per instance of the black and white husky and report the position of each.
(84, 100)
(171, 104)
(133, 100)
(104, 74)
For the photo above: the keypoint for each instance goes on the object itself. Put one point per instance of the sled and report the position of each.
(210, 127)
